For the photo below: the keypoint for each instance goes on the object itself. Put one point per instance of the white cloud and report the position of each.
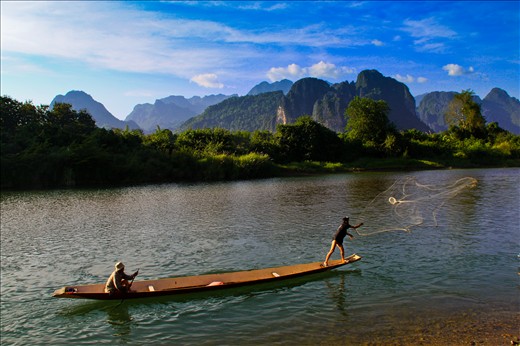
(292, 71)
(410, 79)
(319, 70)
(97, 34)
(427, 29)
(261, 6)
(457, 70)
(405, 79)
(328, 70)
(207, 80)
(427, 32)
(377, 43)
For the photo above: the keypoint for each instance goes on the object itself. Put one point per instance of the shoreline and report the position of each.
(462, 328)
(297, 169)
(468, 327)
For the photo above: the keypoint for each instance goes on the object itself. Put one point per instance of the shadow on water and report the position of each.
(118, 316)
(121, 321)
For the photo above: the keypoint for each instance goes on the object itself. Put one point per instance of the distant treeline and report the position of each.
(61, 147)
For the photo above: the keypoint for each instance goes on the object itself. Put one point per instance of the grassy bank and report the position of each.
(392, 164)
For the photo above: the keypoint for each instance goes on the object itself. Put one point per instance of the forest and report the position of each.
(44, 148)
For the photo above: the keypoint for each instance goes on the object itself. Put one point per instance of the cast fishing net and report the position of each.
(408, 204)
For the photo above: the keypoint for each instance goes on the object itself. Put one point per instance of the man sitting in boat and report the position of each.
(118, 280)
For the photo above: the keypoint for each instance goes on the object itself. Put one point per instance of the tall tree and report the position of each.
(307, 139)
(367, 120)
(465, 113)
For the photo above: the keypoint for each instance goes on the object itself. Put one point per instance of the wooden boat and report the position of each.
(201, 283)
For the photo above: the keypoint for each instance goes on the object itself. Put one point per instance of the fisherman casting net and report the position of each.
(408, 204)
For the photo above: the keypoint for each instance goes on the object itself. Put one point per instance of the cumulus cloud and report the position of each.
(377, 43)
(292, 71)
(405, 79)
(410, 79)
(207, 80)
(457, 70)
(319, 70)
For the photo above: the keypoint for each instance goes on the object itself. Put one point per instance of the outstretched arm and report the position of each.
(356, 226)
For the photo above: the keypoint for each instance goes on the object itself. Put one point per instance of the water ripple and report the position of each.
(51, 239)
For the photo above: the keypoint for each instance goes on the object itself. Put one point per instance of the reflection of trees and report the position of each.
(365, 188)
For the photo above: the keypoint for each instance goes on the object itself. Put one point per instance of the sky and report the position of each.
(134, 52)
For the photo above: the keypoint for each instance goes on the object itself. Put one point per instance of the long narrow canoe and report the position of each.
(200, 283)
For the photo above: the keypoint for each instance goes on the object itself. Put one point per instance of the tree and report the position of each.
(465, 113)
(211, 140)
(367, 121)
(162, 140)
(264, 142)
(308, 140)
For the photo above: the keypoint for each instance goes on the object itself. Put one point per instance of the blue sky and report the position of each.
(127, 53)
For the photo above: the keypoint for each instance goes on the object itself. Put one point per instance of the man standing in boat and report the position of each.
(338, 239)
(118, 280)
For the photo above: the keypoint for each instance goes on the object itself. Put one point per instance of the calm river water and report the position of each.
(446, 283)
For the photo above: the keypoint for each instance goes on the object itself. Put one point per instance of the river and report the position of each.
(454, 282)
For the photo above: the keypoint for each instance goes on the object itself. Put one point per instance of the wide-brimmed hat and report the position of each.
(119, 265)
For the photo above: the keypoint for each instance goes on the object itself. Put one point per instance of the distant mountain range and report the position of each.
(269, 104)
(170, 112)
(284, 86)
(497, 107)
(80, 100)
(325, 103)
(249, 113)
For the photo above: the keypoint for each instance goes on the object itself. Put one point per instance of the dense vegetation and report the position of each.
(60, 147)
(240, 113)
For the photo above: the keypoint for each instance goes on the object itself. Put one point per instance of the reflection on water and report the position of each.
(121, 321)
(117, 316)
(338, 291)
(405, 283)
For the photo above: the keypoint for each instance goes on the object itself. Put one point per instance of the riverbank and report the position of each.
(303, 168)
(473, 327)
(461, 328)
(394, 164)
